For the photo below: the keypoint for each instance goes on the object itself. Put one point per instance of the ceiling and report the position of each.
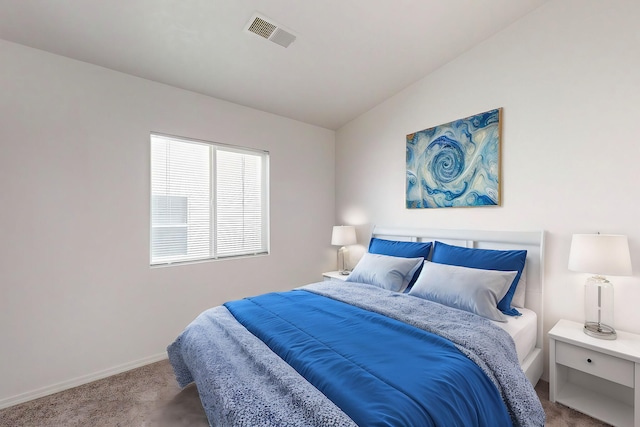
(349, 55)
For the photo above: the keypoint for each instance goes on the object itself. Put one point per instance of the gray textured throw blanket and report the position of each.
(241, 382)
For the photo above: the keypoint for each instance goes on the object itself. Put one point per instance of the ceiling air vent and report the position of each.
(269, 30)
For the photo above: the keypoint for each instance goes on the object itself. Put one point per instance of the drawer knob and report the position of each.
(588, 360)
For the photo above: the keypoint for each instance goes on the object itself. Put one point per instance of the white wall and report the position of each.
(77, 296)
(568, 78)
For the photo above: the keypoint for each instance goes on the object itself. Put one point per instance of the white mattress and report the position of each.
(523, 330)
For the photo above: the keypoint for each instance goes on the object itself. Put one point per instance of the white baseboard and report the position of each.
(65, 385)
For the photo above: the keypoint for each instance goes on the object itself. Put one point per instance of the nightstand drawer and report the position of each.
(601, 365)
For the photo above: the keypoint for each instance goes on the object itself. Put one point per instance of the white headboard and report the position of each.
(532, 241)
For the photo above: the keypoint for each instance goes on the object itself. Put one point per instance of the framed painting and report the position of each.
(455, 164)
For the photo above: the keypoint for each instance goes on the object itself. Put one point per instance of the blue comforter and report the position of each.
(243, 382)
(379, 371)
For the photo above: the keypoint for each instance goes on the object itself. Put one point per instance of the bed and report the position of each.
(390, 347)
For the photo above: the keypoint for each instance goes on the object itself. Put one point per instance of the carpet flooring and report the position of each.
(150, 397)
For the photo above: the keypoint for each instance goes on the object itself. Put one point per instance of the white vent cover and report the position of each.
(266, 28)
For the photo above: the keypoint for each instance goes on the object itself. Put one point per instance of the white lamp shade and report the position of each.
(343, 235)
(600, 254)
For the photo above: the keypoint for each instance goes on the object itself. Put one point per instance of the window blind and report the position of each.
(207, 200)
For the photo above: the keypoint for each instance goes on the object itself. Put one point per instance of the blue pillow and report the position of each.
(401, 249)
(486, 259)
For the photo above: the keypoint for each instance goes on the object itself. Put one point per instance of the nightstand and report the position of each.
(597, 377)
(334, 275)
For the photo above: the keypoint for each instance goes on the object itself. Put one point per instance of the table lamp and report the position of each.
(343, 235)
(600, 255)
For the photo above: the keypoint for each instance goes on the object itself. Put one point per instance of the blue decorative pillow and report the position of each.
(486, 259)
(401, 249)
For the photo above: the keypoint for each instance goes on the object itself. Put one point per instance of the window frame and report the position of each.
(214, 148)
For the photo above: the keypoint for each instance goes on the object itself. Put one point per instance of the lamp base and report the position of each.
(599, 330)
(345, 272)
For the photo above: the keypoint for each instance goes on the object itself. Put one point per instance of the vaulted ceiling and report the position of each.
(348, 56)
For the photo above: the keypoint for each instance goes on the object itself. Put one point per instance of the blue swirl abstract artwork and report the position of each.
(455, 164)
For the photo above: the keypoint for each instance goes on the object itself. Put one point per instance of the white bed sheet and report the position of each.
(523, 330)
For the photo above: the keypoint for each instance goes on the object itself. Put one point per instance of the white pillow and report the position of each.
(470, 289)
(521, 289)
(387, 272)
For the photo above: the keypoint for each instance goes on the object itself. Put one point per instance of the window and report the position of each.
(207, 200)
(169, 225)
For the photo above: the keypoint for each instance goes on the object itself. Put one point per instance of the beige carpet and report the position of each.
(150, 396)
